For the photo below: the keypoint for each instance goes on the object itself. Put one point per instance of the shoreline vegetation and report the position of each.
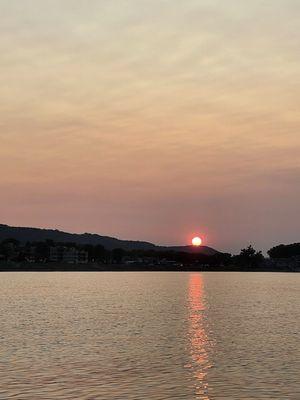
(49, 267)
(49, 256)
(35, 249)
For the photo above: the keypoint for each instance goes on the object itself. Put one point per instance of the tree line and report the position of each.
(39, 252)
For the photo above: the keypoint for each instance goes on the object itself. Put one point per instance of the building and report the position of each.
(68, 255)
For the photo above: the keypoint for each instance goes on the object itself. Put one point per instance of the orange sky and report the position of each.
(152, 119)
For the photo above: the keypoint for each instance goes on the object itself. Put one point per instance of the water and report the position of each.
(154, 336)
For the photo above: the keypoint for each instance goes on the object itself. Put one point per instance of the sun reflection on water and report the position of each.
(200, 344)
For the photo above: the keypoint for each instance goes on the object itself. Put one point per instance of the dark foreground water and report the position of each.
(149, 336)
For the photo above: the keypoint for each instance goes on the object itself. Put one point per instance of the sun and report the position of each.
(196, 241)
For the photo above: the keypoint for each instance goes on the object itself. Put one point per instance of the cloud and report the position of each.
(192, 104)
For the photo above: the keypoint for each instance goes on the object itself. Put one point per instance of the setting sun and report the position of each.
(196, 241)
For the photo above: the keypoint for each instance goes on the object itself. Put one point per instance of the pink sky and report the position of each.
(152, 120)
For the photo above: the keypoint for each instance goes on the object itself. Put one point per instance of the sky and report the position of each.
(152, 120)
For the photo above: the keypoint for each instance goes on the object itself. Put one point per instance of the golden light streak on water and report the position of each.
(199, 340)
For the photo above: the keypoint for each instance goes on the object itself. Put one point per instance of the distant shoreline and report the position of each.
(53, 267)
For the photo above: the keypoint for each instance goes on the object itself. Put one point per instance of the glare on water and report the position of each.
(154, 336)
(200, 343)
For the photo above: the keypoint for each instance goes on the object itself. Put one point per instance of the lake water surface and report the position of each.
(152, 336)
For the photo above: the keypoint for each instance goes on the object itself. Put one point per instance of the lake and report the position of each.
(152, 336)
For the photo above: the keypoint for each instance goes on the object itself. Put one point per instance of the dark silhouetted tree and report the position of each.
(118, 255)
(249, 257)
(285, 251)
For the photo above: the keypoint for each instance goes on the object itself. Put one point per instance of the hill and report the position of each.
(24, 234)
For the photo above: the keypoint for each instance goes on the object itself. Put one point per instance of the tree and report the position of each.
(42, 250)
(285, 251)
(12, 242)
(9, 249)
(118, 255)
(221, 259)
(249, 257)
(100, 253)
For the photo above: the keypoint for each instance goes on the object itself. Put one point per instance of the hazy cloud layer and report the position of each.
(152, 119)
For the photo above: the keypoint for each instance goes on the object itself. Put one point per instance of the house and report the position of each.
(69, 255)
